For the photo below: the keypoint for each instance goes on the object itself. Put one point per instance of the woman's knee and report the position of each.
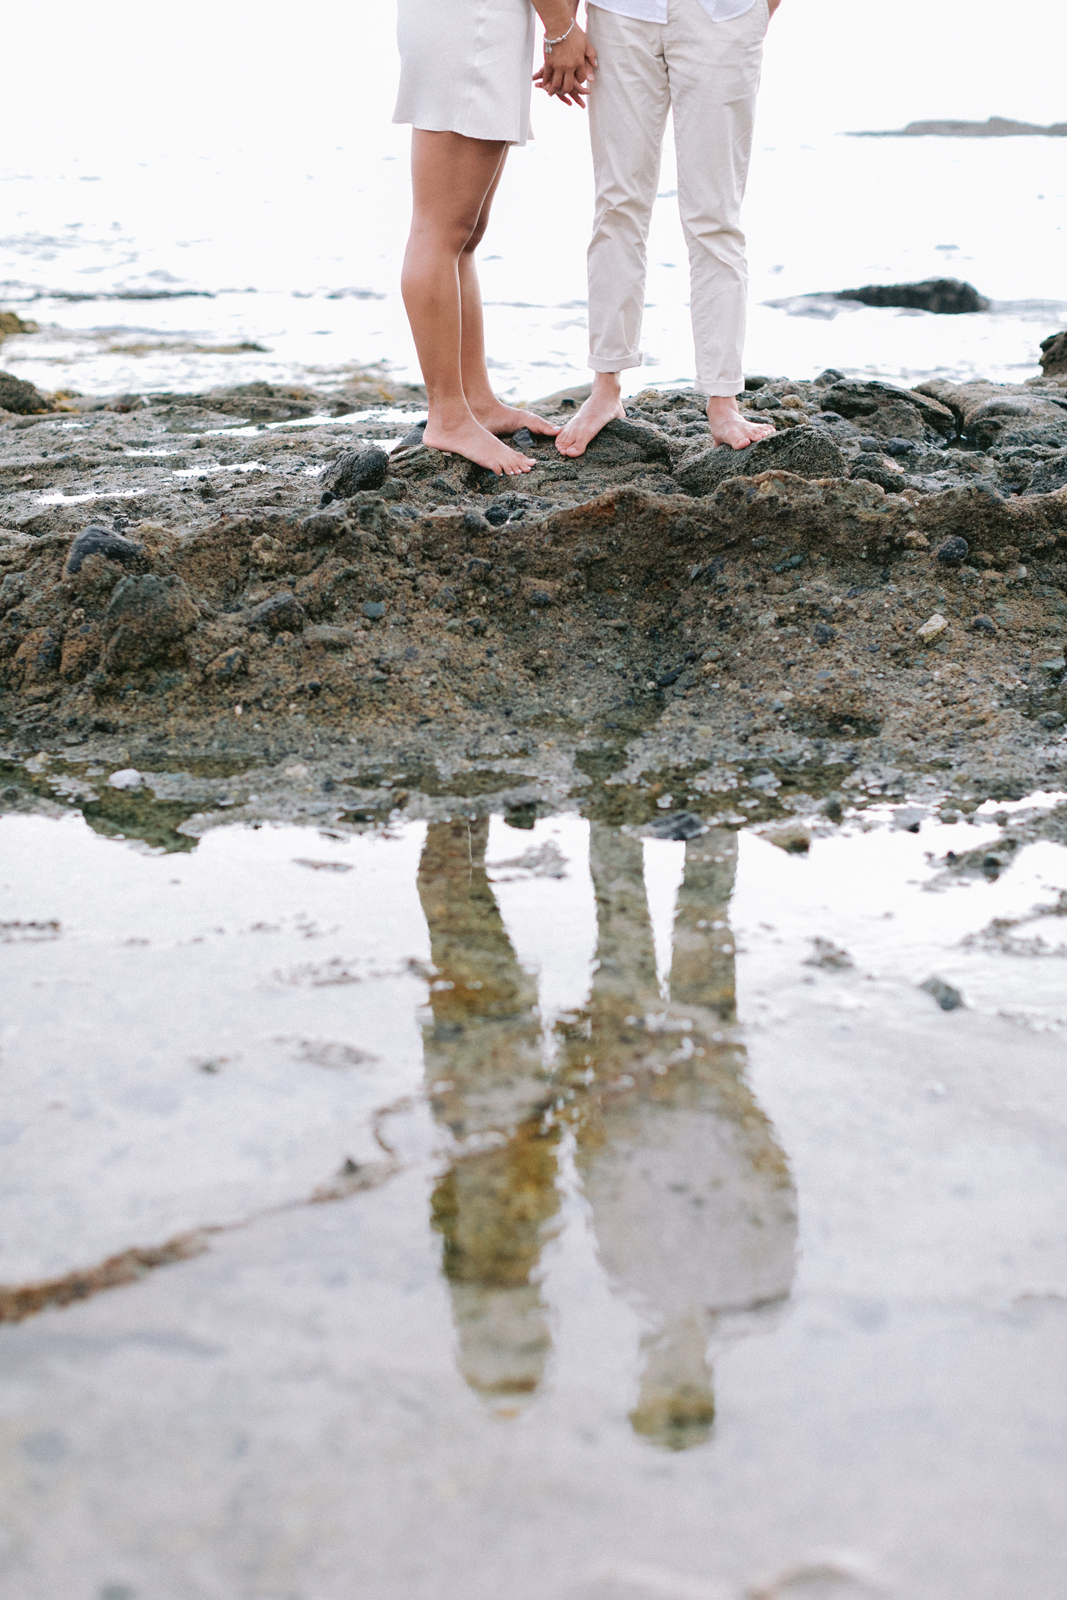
(449, 233)
(476, 235)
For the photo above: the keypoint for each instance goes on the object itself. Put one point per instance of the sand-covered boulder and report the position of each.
(145, 615)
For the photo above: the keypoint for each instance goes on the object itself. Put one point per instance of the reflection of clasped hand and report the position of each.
(570, 59)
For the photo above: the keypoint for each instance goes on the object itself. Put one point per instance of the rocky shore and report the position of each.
(243, 605)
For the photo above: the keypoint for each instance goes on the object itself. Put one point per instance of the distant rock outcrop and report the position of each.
(21, 397)
(1054, 355)
(992, 128)
(946, 296)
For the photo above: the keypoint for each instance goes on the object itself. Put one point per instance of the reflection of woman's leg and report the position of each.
(453, 179)
(483, 1062)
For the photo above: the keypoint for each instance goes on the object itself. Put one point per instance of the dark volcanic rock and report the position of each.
(21, 397)
(806, 452)
(413, 436)
(953, 551)
(281, 613)
(948, 297)
(989, 414)
(623, 440)
(97, 541)
(872, 467)
(143, 617)
(1054, 355)
(890, 412)
(356, 470)
(1049, 475)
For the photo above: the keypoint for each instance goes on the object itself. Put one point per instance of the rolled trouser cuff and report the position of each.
(615, 363)
(719, 391)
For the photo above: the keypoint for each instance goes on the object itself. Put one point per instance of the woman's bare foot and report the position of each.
(468, 438)
(602, 407)
(499, 418)
(728, 426)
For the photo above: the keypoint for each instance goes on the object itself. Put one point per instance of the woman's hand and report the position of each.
(568, 67)
(773, 5)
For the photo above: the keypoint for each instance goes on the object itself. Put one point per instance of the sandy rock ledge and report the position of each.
(660, 620)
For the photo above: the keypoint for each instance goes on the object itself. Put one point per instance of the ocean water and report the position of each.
(251, 180)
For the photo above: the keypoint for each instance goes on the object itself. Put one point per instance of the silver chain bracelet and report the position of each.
(550, 42)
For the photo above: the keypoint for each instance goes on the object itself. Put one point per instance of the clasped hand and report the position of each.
(568, 68)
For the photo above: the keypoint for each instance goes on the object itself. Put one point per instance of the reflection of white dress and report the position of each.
(466, 67)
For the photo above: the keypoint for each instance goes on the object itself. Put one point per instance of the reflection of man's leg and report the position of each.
(625, 953)
(702, 964)
(690, 1195)
(483, 1065)
(715, 71)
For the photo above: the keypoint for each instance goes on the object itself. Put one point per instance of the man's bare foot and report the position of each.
(468, 438)
(728, 426)
(602, 407)
(499, 418)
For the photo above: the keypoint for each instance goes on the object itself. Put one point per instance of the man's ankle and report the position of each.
(607, 386)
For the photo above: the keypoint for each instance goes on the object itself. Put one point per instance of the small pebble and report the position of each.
(953, 550)
(933, 627)
(948, 998)
(125, 778)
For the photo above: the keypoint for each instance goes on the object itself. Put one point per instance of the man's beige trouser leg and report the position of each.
(708, 74)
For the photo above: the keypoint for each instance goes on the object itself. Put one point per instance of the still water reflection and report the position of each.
(690, 1194)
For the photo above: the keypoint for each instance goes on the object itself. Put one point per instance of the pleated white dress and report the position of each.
(466, 67)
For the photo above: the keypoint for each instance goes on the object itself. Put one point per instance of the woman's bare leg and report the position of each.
(490, 412)
(451, 179)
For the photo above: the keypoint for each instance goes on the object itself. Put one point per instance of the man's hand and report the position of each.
(773, 5)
